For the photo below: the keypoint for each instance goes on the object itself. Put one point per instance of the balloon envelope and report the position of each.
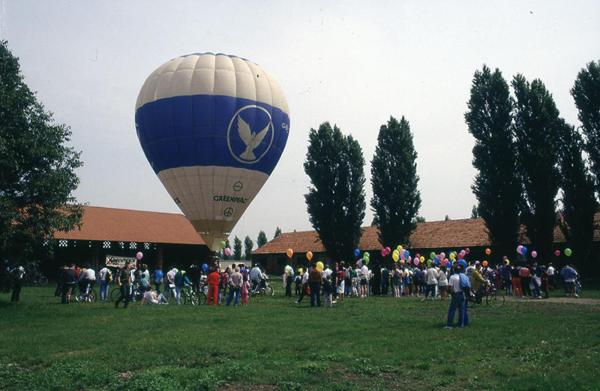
(213, 127)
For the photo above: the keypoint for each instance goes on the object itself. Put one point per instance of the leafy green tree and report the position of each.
(37, 168)
(396, 199)
(277, 232)
(419, 219)
(262, 239)
(586, 93)
(578, 200)
(496, 186)
(336, 197)
(248, 244)
(537, 128)
(237, 249)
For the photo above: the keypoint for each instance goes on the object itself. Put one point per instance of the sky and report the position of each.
(353, 64)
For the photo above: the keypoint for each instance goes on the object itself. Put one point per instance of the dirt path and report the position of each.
(568, 300)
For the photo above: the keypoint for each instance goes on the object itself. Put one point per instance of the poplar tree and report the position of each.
(262, 239)
(579, 204)
(396, 198)
(586, 93)
(537, 128)
(237, 248)
(336, 198)
(496, 186)
(248, 244)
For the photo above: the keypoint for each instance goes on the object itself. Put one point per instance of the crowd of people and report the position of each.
(232, 285)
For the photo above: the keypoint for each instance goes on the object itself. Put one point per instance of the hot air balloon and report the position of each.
(213, 127)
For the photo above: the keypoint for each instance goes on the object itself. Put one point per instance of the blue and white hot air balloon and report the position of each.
(213, 127)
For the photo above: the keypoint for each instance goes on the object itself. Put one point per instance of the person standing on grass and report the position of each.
(477, 282)
(525, 275)
(105, 276)
(328, 290)
(341, 279)
(551, 276)
(298, 282)
(288, 276)
(181, 280)
(545, 282)
(224, 284)
(213, 280)
(17, 275)
(348, 282)
(305, 286)
(516, 281)
(364, 281)
(443, 282)
(235, 285)
(124, 283)
(506, 275)
(157, 277)
(245, 290)
(459, 285)
(431, 278)
(59, 280)
(315, 280)
(68, 283)
(170, 282)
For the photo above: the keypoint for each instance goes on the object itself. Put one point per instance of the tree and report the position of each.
(419, 219)
(496, 185)
(237, 249)
(262, 239)
(396, 199)
(447, 218)
(277, 232)
(474, 212)
(248, 244)
(336, 198)
(579, 202)
(37, 168)
(537, 128)
(586, 93)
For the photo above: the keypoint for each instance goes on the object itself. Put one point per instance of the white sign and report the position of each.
(118, 261)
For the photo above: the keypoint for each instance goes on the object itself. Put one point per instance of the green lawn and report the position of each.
(378, 343)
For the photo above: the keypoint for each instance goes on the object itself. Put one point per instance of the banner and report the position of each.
(118, 261)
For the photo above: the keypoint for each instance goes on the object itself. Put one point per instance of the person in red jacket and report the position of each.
(213, 286)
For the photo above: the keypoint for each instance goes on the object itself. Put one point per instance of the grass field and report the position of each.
(377, 343)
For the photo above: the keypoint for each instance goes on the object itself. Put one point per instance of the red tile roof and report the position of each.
(126, 225)
(429, 235)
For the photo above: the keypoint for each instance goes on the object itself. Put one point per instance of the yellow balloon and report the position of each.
(395, 256)
(422, 259)
(320, 266)
(300, 270)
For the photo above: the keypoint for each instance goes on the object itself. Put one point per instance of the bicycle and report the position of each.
(262, 288)
(189, 296)
(81, 297)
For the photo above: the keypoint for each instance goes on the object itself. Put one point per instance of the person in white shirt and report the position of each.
(364, 281)
(88, 278)
(104, 275)
(551, 271)
(431, 278)
(170, 282)
(443, 282)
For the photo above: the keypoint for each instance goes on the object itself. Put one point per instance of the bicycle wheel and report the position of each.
(92, 297)
(190, 298)
(490, 298)
(269, 291)
(114, 294)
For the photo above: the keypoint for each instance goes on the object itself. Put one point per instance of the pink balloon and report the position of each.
(227, 251)
(139, 256)
(557, 253)
(383, 253)
(416, 261)
(534, 254)
(468, 250)
(442, 256)
(461, 254)
(519, 248)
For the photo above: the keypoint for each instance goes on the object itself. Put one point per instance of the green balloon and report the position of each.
(568, 252)
(431, 255)
(223, 244)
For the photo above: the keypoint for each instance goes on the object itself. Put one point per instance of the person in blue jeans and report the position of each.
(314, 281)
(235, 285)
(459, 284)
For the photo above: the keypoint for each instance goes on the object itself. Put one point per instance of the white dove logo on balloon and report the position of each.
(250, 140)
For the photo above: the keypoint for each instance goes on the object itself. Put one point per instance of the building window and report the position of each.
(132, 245)
(106, 244)
(146, 246)
(122, 245)
(63, 243)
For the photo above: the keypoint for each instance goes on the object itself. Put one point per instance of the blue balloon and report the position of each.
(357, 252)
(406, 254)
(205, 267)
(524, 250)
(462, 263)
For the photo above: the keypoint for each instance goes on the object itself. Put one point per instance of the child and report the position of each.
(298, 281)
(245, 291)
(328, 291)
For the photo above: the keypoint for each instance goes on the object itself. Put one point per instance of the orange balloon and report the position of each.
(484, 263)
(289, 252)
(309, 255)
(488, 251)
